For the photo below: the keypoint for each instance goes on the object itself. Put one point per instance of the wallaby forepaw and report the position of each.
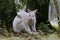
(35, 33)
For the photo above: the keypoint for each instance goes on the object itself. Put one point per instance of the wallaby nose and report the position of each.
(30, 22)
(31, 19)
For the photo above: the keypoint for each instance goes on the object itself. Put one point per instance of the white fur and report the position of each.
(21, 21)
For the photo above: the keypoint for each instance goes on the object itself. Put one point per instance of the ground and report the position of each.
(24, 36)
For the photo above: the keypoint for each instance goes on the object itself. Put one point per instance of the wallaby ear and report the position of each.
(34, 11)
(24, 8)
(28, 10)
(18, 15)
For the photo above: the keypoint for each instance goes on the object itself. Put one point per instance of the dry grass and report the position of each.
(25, 36)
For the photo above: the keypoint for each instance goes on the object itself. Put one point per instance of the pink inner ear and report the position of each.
(35, 11)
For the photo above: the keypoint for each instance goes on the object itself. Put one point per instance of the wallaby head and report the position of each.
(31, 15)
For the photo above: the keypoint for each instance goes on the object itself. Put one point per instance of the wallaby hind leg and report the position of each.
(27, 28)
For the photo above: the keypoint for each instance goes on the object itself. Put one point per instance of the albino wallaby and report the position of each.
(24, 20)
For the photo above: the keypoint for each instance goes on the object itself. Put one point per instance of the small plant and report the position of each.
(45, 28)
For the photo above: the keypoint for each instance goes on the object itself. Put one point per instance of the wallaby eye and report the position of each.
(29, 15)
(32, 15)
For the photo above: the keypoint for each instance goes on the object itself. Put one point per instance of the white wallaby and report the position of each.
(24, 20)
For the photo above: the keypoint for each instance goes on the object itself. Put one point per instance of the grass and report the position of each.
(52, 36)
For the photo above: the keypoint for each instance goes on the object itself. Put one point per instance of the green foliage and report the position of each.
(21, 5)
(44, 27)
(7, 13)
